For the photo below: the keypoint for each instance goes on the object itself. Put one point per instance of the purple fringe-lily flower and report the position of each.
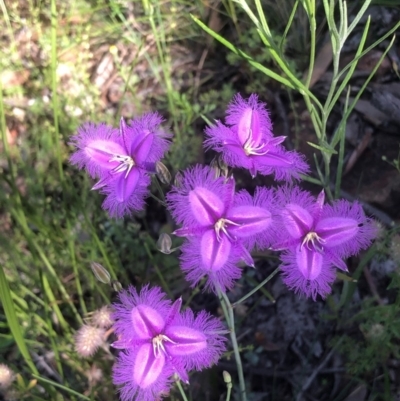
(121, 159)
(221, 227)
(160, 341)
(316, 237)
(247, 141)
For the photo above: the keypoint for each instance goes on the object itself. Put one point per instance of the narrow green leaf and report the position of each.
(60, 386)
(13, 324)
(324, 149)
(239, 52)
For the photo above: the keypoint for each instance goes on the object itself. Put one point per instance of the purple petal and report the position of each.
(336, 230)
(185, 340)
(126, 373)
(365, 229)
(146, 321)
(309, 262)
(203, 327)
(214, 253)
(248, 129)
(251, 219)
(257, 116)
(297, 220)
(297, 281)
(147, 127)
(130, 300)
(206, 206)
(210, 197)
(125, 195)
(147, 367)
(96, 145)
(140, 150)
(193, 266)
(126, 184)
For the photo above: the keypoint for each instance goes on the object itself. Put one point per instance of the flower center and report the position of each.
(221, 225)
(125, 163)
(250, 148)
(313, 242)
(158, 345)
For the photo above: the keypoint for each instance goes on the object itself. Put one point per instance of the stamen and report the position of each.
(126, 163)
(250, 148)
(313, 242)
(158, 345)
(220, 225)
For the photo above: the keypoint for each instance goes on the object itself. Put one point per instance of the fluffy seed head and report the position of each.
(103, 317)
(88, 339)
(6, 376)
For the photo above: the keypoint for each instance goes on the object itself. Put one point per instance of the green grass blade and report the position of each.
(60, 386)
(239, 52)
(11, 316)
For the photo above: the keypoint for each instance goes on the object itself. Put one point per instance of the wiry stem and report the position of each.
(228, 313)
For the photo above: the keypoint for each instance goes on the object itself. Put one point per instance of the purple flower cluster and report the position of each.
(220, 227)
(121, 159)
(159, 341)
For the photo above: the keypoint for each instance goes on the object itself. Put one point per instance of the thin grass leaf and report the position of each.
(369, 48)
(358, 16)
(13, 324)
(349, 74)
(60, 386)
(342, 138)
(324, 149)
(288, 26)
(361, 91)
(239, 52)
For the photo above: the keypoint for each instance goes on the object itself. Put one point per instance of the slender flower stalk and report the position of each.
(221, 226)
(316, 237)
(230, 318)
(247, 141)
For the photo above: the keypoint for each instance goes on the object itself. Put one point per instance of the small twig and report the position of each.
(372, 286)
(314, 374)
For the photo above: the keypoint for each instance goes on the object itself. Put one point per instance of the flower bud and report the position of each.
(164, 243)
(178, 179)
(227, 377)
(163, 173)
(88, 339)
(100, 272)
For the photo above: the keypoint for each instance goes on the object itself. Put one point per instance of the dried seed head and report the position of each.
(6, 376)
(94, 375)
(88, 339)
(102, 317)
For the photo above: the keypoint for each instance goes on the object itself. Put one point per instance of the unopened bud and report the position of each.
(164, 243)
(178, 179)
(163, 173)
(223, 167)
(227, 377)
(215, 167)
(88, 339)
(100, 272)
(6, 376)
(116, 285)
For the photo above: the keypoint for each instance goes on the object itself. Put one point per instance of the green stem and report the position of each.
(179, 385)
(255, 289)
(229, 316)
